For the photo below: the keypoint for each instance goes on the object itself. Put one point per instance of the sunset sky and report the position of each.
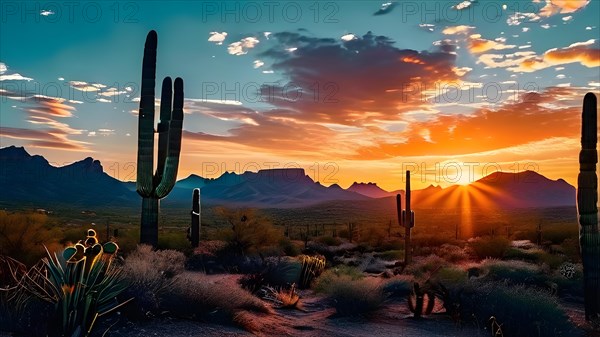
(348, 90)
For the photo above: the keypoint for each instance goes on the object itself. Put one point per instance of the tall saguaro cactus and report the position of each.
(155, 186)
(406, 219)
(587, 199)
(196, 219)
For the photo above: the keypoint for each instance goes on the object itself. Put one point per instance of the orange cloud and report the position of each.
(585, 53)
(553, 7)
(478, 45)
(538, 116)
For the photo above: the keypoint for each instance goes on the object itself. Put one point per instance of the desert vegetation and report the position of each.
(246, 270)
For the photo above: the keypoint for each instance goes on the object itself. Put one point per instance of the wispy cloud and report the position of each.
(386, 8)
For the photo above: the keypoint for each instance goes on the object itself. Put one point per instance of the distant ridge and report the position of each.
(31, 180)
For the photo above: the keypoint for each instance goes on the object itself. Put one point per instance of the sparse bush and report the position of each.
(355, 297)
(522, 311)
(391, 255)
(23, 236)
(451, 253)
(514, 272)
(421, 267)
(330, 240)
(149, 274)
(399, 287)
(198, 297)
(337, 274)
(489, 247)
(288, 247)
(249, 232)
(283, 298)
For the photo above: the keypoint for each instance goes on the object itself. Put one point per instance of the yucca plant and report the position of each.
(312, 267)
(81, 283)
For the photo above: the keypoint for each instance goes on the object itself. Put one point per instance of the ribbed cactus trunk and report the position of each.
(153, 186)
(407, 223)
(587, 199)
(195, 230)
(406, 219)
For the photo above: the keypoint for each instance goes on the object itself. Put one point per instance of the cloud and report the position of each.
(241, 47)
(348, 37)
(556, 111)
(46, 138)
(85, 86)
(463, 5)
(258, 64)
(567, 18)
(518, 17)
(478, 45)
(334, 88)
(461, 29)
(14, 77)
(46, 12)
(217, 37)
(386, 8)
(585, 53)
(427, 26)
(3, 68)
(554, 7)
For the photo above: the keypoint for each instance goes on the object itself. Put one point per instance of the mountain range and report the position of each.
(31, 180)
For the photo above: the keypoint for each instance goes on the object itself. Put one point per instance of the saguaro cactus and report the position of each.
(406, 219)
(587, 199)
(153, 187)
(195, 226)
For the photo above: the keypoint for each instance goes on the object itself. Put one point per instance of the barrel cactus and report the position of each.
(155, 186)
(587, 208)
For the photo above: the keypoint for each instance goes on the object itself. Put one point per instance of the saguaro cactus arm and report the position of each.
(169, 175)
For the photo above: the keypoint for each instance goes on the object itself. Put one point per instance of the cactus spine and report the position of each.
(195, 229)
(406, 219)
(587, 208)
(153, 187)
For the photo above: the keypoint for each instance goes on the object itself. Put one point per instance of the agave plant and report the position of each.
(81, 283)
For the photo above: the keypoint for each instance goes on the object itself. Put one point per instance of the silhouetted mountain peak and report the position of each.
(88, 165)
(14, 152)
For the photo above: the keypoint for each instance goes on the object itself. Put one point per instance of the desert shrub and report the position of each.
(149, 274)
(391, 255)
(355, 297)
(489, 247)
(514, 272)
(288, 247)
(330, 240)
(398, 287)
(393, 244)
(249, 232)
(570, 248)
(23, 236)
(451, 253)
(198, 297)
(569, 280)
(323, 283)
(450, 275)
(373, 235)
(275, 272)
(174, 240)
(424, 266)
(21, 312)
(522, 311)
(431, 240)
